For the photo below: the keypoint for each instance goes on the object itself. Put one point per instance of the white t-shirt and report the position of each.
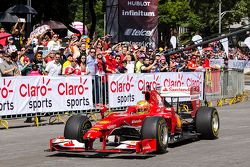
(131, 67)
(53, 69)
(52, 45)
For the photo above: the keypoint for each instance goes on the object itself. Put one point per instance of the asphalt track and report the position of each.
(24, 147)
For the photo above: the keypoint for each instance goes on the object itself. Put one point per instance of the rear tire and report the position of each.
(207, 122)
(156, 128)
(76, 127)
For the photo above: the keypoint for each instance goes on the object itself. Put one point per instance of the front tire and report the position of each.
(207, 122)
(76, 127)
(156, 128)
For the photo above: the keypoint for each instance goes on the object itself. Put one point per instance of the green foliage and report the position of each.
(197, 15)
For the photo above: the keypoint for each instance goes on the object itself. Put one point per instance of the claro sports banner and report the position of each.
(126, 90)
(138, 21)
(23, 95)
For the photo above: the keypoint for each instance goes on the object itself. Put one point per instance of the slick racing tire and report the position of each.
(156, 128)
(76, 127)
(207, 122)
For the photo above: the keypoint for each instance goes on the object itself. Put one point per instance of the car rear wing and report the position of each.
(191, 93)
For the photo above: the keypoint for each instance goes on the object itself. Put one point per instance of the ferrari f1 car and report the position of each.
(147, 127)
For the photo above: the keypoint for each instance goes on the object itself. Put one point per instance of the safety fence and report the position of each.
(224, 87)
(22, 97)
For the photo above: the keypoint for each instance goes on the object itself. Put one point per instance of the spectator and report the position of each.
(172, 64)
(3, 41)
(146, 67)
(192, 65)
(53, 68)
(123, 68)
(92, 67)
(83, 49)
(100, 64)
(118, 65)
(130, 64)
(8, 67)
(27, 66)
(39, 62)
(50, 57)
(184, 67)
(1, 56)
(54, 43)
(11, 47)
(163, 64)
(92, 62)
(18, 34)
(82, 65)
(72, 69)
(34, 71)
(139, 63)
(68, 62)
(14, 58)
(110, 63)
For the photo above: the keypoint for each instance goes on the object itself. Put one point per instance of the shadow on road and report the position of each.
(103, 155)
(182, 143)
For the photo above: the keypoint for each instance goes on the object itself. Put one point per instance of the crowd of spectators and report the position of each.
(53, 55)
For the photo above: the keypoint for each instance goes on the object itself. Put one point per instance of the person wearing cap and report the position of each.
(139, 63)
(150, 52)
(27, 67)
(11, 47)
(8, 67)
(110, 63)
(68, 62)
(192, 64)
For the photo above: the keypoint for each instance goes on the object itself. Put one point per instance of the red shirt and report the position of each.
(192, 65)
(110, 64)
(206, 63)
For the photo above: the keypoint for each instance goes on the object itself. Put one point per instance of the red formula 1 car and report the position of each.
(146, 127)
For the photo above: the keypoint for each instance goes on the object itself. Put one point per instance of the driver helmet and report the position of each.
(142, 106)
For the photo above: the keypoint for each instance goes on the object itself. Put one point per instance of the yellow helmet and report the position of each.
(142, 106)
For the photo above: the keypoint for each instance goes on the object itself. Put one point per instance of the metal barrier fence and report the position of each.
(222, 87)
